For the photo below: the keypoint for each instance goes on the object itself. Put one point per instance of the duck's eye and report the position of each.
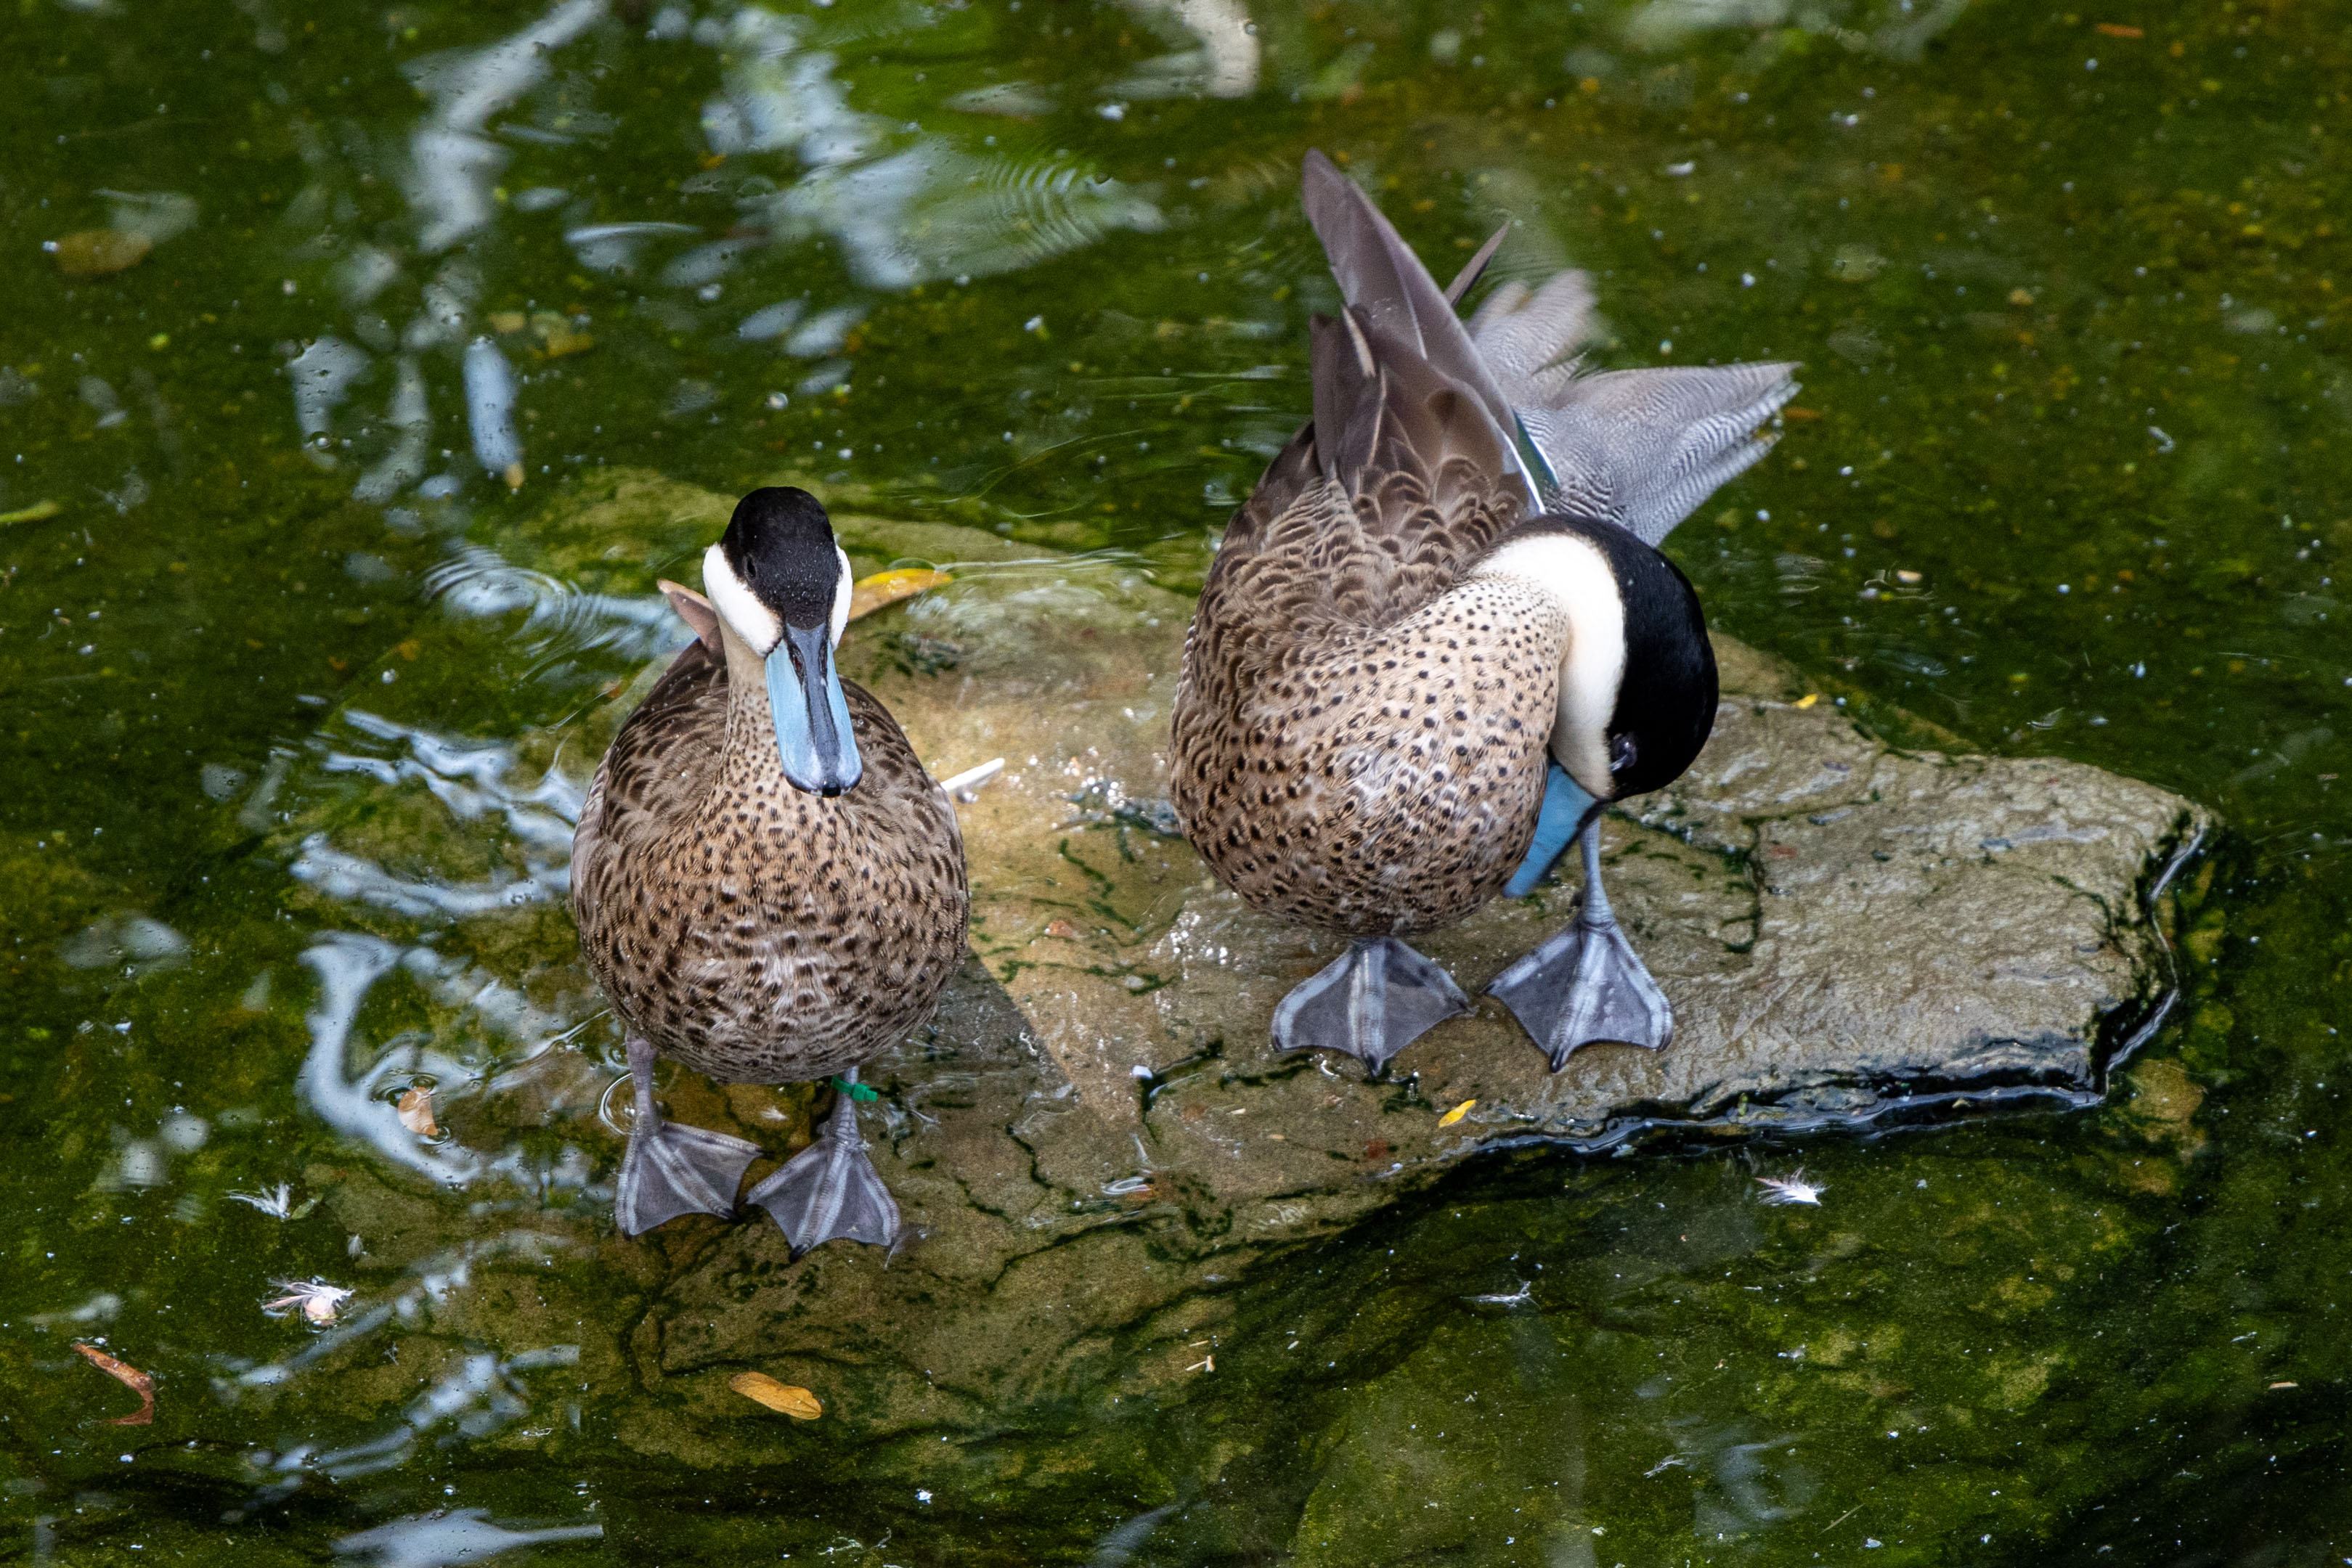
(1621, 752)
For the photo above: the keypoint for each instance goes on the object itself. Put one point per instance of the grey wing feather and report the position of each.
(1523, 335)
(1380, 275)
(1475, 268)
(1643, 448)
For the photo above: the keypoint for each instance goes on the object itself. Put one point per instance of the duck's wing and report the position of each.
(657, 770)
(1372, 511)
(1641, 448)
(1294, 466)
(907, 801)
(1388, 288)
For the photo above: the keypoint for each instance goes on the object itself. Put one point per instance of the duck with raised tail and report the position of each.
(767, 883)
(1439, 638)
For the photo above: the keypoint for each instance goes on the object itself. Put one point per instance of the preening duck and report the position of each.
(1439, 637)
(769, 885)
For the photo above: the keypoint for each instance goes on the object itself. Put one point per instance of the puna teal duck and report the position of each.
(767, 883)
(1439, 638)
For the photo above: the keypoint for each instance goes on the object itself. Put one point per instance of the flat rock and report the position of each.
(1094, 1135)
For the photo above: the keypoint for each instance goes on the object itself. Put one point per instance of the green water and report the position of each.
(2068, 304)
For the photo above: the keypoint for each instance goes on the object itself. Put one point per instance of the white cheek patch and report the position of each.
(840, 596)
(1577, 577)
(738, 606)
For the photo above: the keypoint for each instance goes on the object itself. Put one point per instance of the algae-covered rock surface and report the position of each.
(1095, 1133)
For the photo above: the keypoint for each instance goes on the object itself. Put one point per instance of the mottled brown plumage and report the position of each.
(1361, 732)
(1404, 689)
(756, 932)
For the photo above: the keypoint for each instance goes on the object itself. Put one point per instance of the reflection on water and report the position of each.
(317, 308)
(462, 1535)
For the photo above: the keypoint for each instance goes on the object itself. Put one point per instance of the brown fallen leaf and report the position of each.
(868, 594)
(1457, 1114)
(2122, 30)
(100, 253)
(1061, 928)
(130, 1377)
(417, 1113)
(761, 1389)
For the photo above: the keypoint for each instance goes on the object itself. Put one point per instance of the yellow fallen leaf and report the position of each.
(1809, 699)
(417, 1113)
(1457, 1114)
(761, 1389)
(505, 322)
(868, 594)
(513, 475)
(559, 336)
(99, 253)
(38, 511)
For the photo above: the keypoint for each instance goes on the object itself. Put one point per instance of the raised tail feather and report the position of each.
(1392, 294)
(1642, 448)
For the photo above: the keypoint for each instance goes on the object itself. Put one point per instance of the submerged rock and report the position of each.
(1095, 1138)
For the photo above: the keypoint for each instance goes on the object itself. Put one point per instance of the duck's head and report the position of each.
(1637, 682)
(781, 586)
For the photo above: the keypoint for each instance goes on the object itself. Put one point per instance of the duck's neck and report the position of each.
(750, 754)
(1573, 574)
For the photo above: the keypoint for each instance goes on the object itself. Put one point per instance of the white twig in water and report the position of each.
(1790, 1189)
(1669, 1462)
(1526, 1293)
(314, 1298)
(961, 787)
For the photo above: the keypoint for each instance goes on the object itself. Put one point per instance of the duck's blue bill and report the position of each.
(812, 717)
(1566, 804)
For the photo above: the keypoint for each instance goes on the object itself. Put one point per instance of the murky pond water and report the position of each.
(276, 578)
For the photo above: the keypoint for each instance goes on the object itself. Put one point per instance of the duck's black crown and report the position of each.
(780, 543)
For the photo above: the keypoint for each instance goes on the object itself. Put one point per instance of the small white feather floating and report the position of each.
(1792, 1189)
(490, 407)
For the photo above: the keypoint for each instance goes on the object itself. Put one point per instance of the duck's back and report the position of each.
(754, 931)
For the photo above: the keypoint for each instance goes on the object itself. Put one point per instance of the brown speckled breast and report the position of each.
(1361, 737)
(753, 931)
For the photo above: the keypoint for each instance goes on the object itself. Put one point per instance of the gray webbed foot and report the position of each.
(830, 1190)
(1372, 1003)
(671, 1169)
(1586, 983)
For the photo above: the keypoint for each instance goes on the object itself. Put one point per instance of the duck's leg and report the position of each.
(1586, 984)
(671, 1169)
(830, 1190)
(1372, 1003)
